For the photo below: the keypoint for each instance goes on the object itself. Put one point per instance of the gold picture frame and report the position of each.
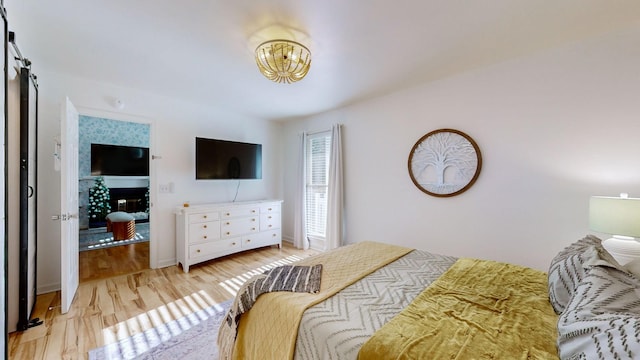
(445, 162)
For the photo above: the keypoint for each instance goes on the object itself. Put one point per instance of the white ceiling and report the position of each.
(199, 49)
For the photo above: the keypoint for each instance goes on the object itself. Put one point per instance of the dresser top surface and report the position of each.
(193, 208)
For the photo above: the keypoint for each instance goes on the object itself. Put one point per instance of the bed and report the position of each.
(380, 301)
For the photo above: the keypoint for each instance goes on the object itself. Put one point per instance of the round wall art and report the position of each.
(445, 162)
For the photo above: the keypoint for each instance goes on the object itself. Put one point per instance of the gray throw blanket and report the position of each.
(282, 278)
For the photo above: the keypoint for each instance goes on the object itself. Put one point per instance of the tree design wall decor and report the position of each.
(444, 162)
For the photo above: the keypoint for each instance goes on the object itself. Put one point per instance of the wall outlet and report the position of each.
(164, 188)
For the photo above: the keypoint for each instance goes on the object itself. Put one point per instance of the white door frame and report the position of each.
(119, 116)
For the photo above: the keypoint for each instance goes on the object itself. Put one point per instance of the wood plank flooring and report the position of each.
(113, 261)
(106, 310)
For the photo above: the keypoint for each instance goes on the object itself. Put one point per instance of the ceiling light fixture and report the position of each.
(283, 61)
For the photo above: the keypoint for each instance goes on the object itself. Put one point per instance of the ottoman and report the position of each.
(122, 225)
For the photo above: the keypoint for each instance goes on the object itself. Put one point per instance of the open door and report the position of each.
(69, 203)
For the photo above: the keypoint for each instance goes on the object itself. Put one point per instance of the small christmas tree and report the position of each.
(99, 201)
(146, 199)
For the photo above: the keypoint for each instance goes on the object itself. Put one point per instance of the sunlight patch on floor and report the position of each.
(172, 318)
(108, 241)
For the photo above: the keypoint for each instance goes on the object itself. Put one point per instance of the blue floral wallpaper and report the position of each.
(105, 131)
(102, 131)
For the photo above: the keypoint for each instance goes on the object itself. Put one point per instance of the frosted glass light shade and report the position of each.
(615, 215)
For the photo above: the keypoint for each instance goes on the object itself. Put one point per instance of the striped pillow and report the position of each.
(602, 319)
(567, 270)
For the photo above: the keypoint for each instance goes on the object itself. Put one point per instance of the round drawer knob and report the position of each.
(228, 233)
(270, 225)
(228, 214)
(198, 250)
(248, 240)
(205, 236)
(253, 228)
(205, 226)
(233, 244)
(205, 216)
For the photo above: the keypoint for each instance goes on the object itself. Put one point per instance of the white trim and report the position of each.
(43, 289)
(317, 244)
(167, 262)
(154, 247)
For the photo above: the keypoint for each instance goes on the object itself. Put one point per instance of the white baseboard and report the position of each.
(313, 244)
(47, 288)
(317, 245)
(166, 263)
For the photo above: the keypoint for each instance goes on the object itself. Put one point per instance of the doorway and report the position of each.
(113, 166)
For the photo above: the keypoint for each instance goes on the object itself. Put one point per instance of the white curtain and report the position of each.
(300, 239)
(335, 199)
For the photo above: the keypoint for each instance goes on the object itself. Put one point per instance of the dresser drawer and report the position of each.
(206, 231)
(270, 209)
(203, 217)
(210, 248)
(261, 239)
(239, 211)
(239, 226)
(269, 221)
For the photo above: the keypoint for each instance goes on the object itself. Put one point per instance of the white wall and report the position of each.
(553, 130)
(175, 124)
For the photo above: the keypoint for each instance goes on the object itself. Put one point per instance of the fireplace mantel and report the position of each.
(123, 181)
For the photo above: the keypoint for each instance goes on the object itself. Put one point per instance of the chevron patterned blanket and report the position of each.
(269, 330)
(337, 327)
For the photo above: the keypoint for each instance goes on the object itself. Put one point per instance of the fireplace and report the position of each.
(130, 200)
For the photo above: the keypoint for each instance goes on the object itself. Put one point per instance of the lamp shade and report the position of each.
(615, 215)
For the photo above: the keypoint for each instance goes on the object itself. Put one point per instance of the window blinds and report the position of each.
(317, 167)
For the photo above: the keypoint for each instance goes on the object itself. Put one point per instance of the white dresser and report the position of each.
(208, 231)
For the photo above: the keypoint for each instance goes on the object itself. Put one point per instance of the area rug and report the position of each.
(196, 339)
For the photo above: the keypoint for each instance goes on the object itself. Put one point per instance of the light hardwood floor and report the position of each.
(109, 262)
(109, 309)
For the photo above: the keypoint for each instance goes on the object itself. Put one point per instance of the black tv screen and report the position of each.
(119, 160)
(222, 159)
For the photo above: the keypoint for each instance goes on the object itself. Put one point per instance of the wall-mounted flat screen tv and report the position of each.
(221, 159)
(118, 160)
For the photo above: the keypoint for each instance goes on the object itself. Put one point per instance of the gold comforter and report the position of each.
(476, 310)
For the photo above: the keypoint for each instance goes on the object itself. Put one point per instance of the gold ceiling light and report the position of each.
(283, 61)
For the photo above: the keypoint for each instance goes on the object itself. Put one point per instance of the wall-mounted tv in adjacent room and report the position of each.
(118, 160)
(222, 159)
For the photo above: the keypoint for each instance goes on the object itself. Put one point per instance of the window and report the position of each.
(317, 168)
